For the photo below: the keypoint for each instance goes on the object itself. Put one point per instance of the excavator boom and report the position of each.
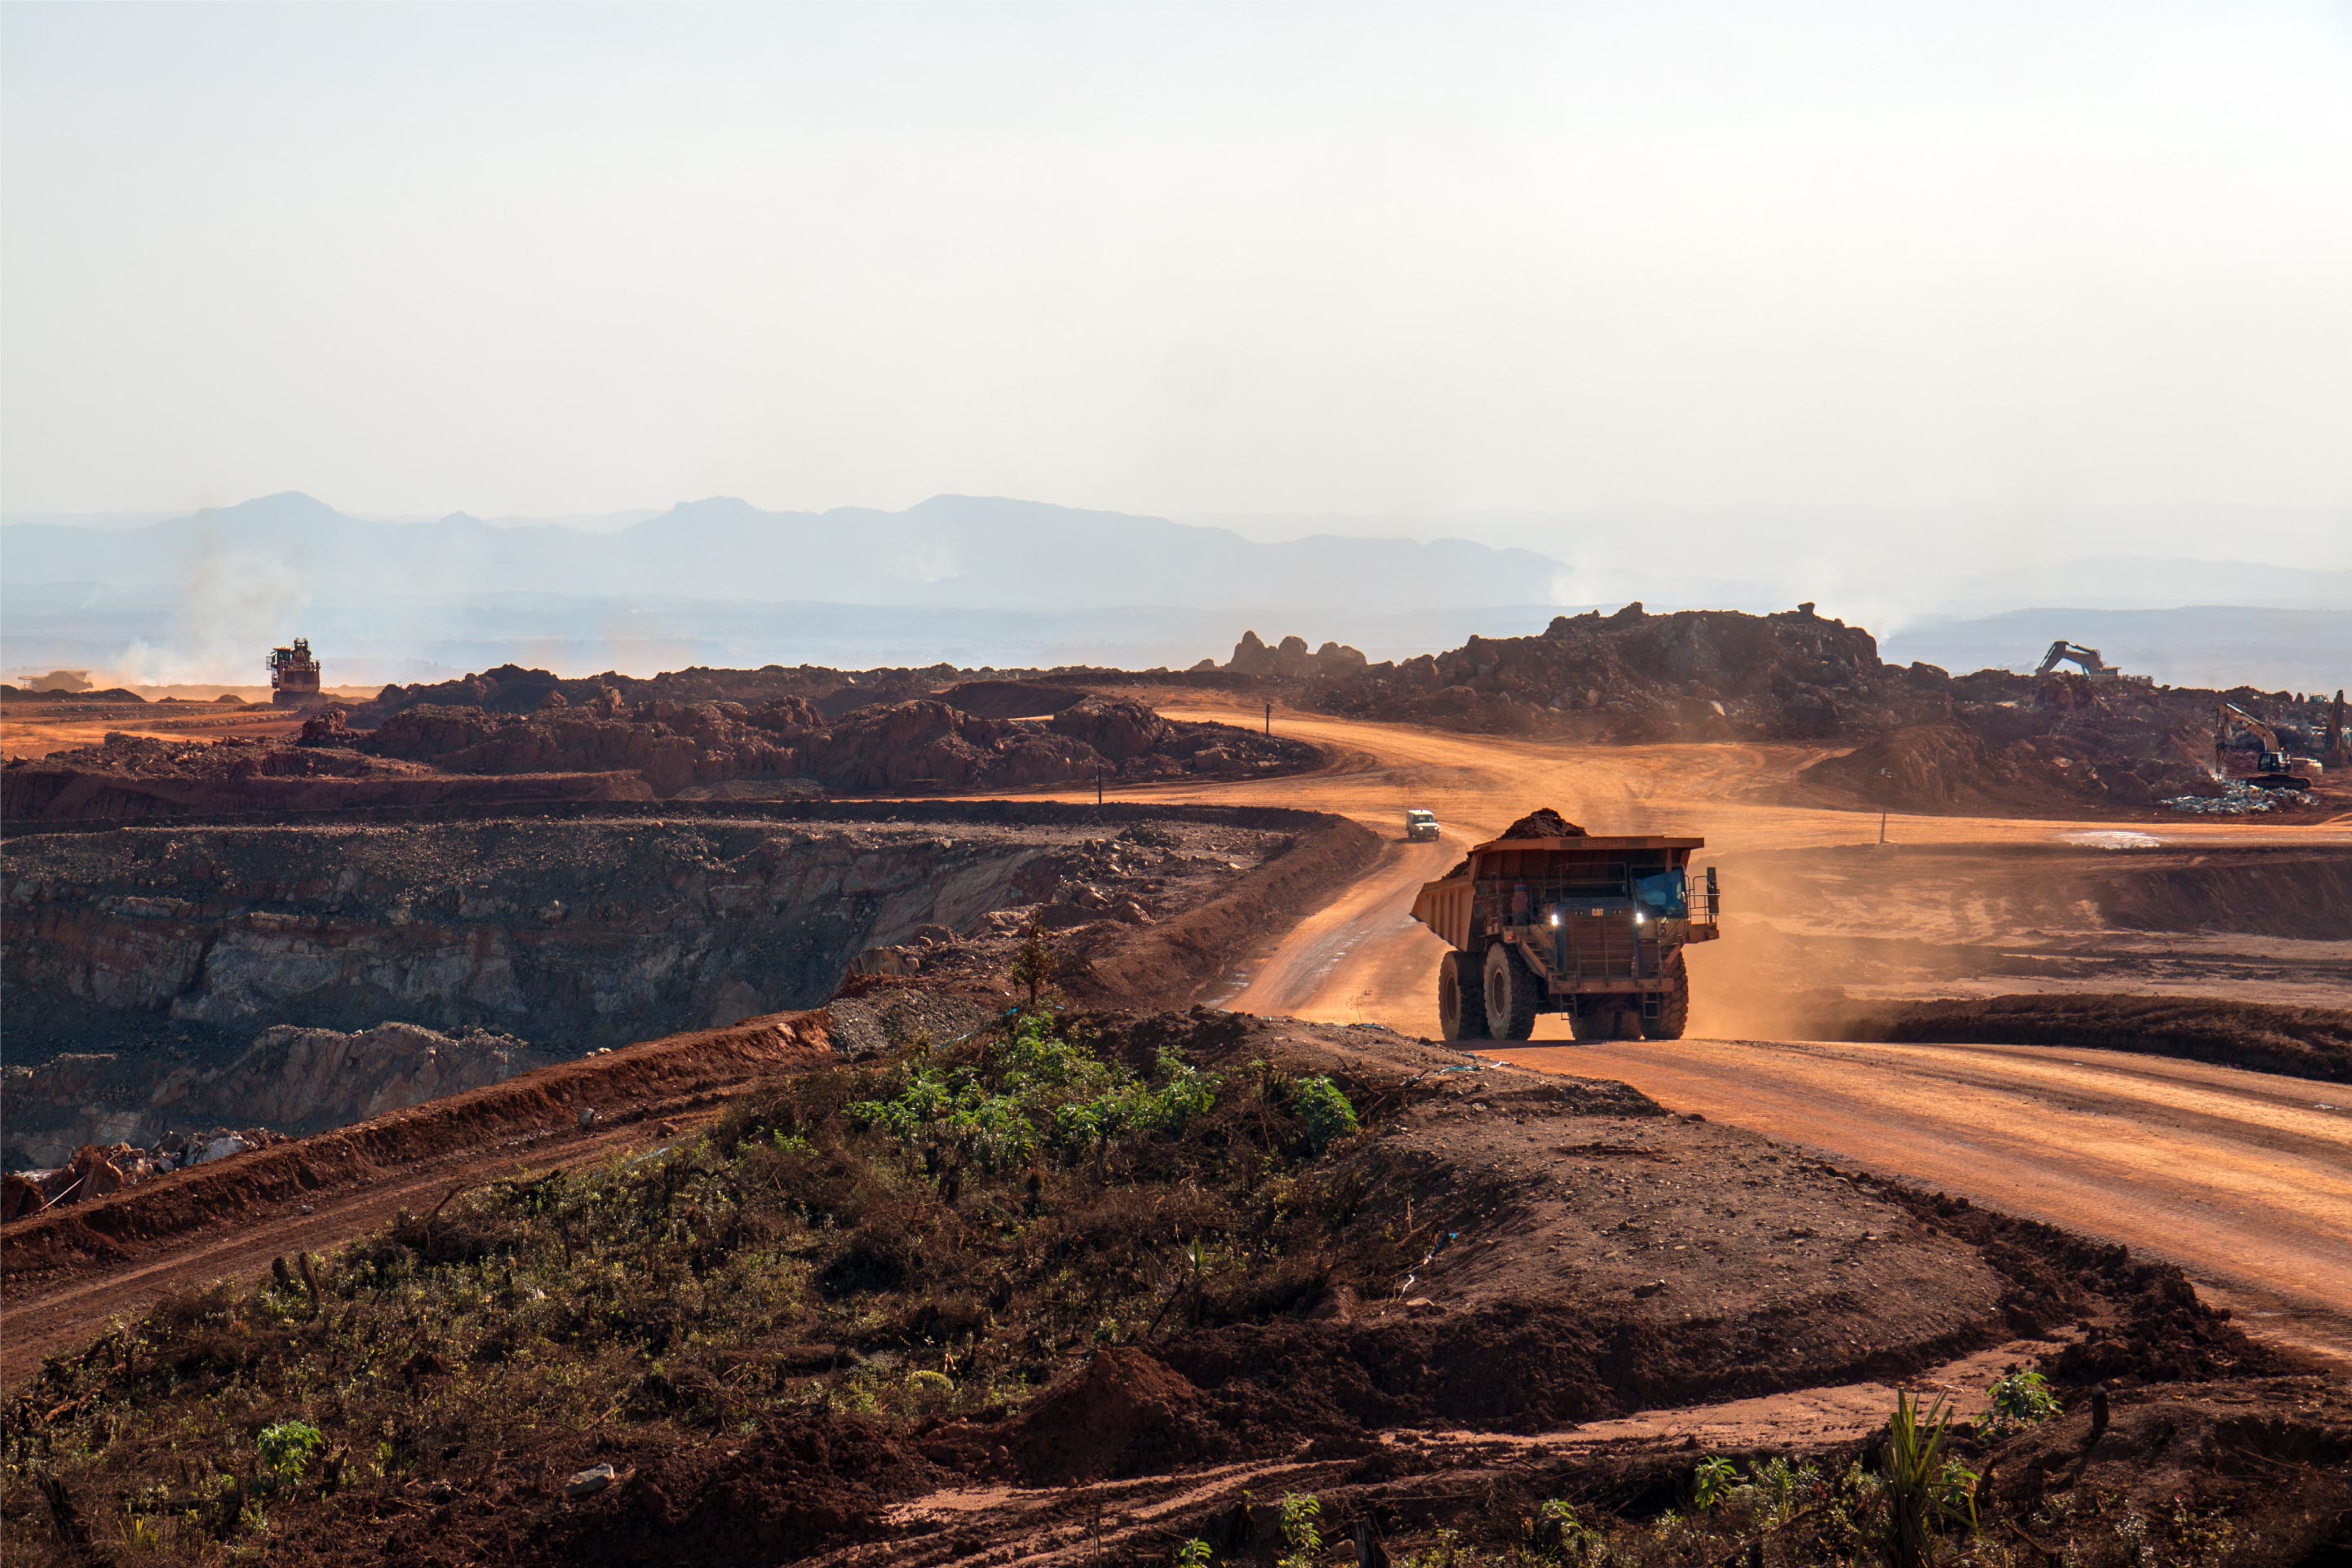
(2064, 652)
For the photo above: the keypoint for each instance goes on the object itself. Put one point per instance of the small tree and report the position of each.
(1034, 963)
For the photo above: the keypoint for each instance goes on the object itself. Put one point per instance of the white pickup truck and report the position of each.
(1420, 826)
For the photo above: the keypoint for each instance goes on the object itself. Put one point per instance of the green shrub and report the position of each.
(1034, 1090)
(1323, 1106)
(288, 1447)
(2019, 1399)
(1302, 1529)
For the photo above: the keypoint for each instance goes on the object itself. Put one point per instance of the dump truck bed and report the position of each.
(1552, 869)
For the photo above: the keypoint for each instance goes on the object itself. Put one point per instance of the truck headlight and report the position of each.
(1555, 916)
(1641, 920)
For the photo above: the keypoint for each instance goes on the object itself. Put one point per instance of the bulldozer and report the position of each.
(1551, 919)
(2274, 766)
(294, 676)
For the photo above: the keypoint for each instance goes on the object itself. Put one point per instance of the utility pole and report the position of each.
(1888, 775)
(1098, 784)
(1269, 718)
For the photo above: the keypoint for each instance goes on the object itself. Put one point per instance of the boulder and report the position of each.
(1119, 728)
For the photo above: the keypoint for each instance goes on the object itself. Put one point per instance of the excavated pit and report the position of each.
(143, 963)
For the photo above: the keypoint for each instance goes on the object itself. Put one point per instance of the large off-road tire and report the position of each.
(1512, 993)
(1461, 999)
(1595, 1019)
(1674, 1006)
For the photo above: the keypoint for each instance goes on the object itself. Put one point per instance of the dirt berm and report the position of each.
(2303, 1042)
(506, 1122)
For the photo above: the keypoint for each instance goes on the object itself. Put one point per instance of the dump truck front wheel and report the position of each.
(1674, 1006)
(1511, 995)
(1461, 999)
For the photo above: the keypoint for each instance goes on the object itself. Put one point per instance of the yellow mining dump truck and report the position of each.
(1551, 919)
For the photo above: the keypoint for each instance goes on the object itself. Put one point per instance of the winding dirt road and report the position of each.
(2242, 1179)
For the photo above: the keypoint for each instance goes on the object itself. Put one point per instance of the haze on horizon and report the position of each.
(2010, 269)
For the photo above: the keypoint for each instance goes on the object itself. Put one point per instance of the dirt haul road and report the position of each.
(2243, 1179)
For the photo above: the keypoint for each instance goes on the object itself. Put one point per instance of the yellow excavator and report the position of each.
(2088, 661)
(2274, 767)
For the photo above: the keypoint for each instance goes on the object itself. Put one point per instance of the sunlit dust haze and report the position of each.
(1839, 301)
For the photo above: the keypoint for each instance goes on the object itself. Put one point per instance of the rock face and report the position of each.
(160, 979)
(291, 1081)
(567, 934)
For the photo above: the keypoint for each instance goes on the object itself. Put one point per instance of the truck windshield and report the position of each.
(1663, 892)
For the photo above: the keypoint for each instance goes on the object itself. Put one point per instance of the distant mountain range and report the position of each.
(979, 582)
(960, 552)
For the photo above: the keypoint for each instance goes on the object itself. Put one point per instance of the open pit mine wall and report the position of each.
(567, 930)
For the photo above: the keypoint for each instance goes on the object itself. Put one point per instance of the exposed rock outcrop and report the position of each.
(1290, 660)
(290, 1080)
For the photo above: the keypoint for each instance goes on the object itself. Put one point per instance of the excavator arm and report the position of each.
(2235, 721)
(2064, 652)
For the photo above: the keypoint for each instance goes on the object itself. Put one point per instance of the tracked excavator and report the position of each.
(2274, 767)
(2088, 661)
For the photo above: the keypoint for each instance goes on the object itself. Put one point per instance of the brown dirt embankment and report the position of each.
(2303, 1042)
(87, 790)
(1171, 965)
(633, 1082)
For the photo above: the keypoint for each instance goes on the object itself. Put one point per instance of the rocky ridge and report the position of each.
(1927, 740)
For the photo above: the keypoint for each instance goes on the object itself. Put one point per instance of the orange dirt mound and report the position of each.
(1125, 1415)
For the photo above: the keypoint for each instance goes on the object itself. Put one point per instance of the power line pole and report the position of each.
(1269, 718)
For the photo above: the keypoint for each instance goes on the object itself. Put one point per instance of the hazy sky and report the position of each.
(1169, 260)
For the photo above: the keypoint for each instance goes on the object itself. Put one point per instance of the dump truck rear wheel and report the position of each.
(1461, 999)
(1510, 995)
(1674, 1008)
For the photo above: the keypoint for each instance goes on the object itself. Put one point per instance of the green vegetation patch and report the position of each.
(933, 1237)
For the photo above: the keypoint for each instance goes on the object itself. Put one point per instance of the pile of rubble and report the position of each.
(897, 747)
(511, 689)
(607, 747)
(2239, 798)
(1694, 675)
(128, 777)
(94, 1171)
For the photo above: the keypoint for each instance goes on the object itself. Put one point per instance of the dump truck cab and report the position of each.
(1419, 827)
(1589, 927)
